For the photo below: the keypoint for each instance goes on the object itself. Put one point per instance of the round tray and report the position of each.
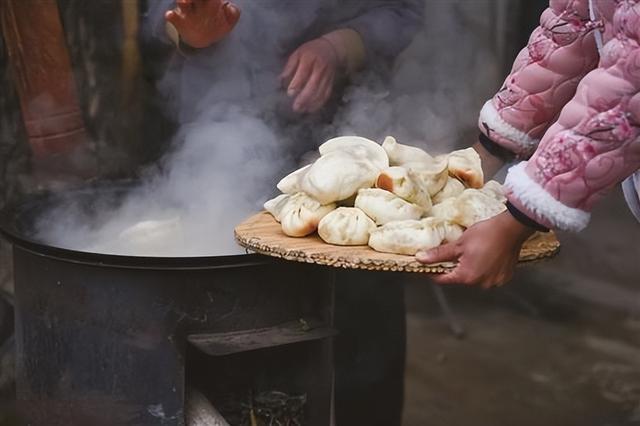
(262, 234)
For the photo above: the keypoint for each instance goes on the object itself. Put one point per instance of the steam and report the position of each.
(226, 164)
(222, 173)
(438, 85)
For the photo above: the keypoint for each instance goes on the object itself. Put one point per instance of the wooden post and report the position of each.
(44, 81)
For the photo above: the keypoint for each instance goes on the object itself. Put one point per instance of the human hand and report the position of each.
(487, 253)
(202, 23)
(310, 73)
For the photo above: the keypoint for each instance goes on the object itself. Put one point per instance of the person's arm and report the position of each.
(382, 28)
(154, 23)
(386, 26)
(594, 145)
(543, 79)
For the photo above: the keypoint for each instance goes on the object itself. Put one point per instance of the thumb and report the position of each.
(231, 13)
(174, 18)
(444, 253)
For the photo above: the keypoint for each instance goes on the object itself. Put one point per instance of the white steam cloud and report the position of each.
(226, 164)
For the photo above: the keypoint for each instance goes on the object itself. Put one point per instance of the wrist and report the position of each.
(490, 163)
(516, 230)
(349, 48)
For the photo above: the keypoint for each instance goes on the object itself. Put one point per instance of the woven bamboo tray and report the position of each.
(262, 234)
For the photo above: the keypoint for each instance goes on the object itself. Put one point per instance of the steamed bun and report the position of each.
(346, 226)
(452, 189)
(276, 205)
(338, 175)
(403, 183)
(298, 214)
(410, 236)
(495, 190)
(292, 183)
(470, 207)
(384, 207)
(357, 146)
(465, 164)
(405, 155)
(433, 174)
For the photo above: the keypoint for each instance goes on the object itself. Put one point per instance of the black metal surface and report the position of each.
(107, 346)
(103, 340)
(221, 344)
(17, 222)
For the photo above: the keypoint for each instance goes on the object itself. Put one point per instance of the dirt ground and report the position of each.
(559, 346)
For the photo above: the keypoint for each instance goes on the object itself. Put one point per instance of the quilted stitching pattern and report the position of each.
(595, 142)
(546, 73)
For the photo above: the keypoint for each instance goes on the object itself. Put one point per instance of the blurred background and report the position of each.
(559, 346)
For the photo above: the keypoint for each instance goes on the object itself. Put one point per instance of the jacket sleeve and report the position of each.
(387, 26)
(595, 143)
(154, 24)
(543, 79)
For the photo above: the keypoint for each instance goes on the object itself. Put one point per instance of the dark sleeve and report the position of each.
(387, 26)
(154, 28)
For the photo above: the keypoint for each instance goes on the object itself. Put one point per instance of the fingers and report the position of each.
(324, 93)
(290, 68)
(302, 73)
(231, 13)
(310, 91)
(444, 253)
(185, 6)
(176, 19)
(466, 275)
(450, 278)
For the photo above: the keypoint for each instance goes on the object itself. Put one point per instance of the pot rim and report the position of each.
(9, 229)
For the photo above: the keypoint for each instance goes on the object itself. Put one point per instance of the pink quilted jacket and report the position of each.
(573, 108)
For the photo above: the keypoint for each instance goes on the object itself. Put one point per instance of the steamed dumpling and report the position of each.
(338, 175)
(346, 226)
(471, 207)
(465, 164)
(384, 207)
(405, 237)
(476, 206)
(411, 236)
(298, 214)
(432, 175)
(276, 205)
(292, 183)
(450, 231)
(402, 183)
(495, 190)
(357, 146)
(404, 155)
(452, 189)
(447, 210)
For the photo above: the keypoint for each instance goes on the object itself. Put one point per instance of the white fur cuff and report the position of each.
(536, 200)
(490, 116)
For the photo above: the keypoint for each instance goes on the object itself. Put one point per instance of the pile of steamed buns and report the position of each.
(395, 198)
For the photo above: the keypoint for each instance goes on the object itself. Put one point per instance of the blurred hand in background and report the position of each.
(310, 74)
(311, 71)
(201, 23)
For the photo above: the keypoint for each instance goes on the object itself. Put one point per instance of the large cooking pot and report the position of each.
(102, 339)
(18, 222)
